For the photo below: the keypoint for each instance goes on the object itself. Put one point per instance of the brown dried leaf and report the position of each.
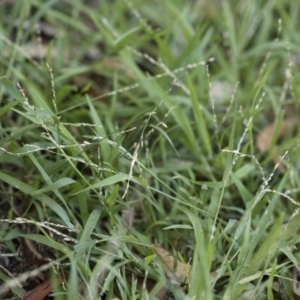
(177, 271)
(41, 291)
(264, 139)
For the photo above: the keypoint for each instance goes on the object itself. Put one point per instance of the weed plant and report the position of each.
(130, 123)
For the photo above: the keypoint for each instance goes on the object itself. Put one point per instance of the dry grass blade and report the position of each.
(4, 289)
(294, 284)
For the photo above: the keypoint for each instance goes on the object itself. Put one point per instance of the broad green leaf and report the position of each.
(48, 180)
(149, 259)
(56, 185)
(166, 137)
(73, 283)
(127, 37)
(11, 88)
(41, 239)
(28, 190)
(85, 243)
(21, 186)
(268, 248)
(90, 225)
(105, 148)
(201, 124)
(108, 181)
(111, 199)
(178, 226)
(82, 201)
(200, 274)
(259, 274)
(55, 207)
(8, 106)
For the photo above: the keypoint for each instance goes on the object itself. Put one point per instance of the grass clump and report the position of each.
(130, 161)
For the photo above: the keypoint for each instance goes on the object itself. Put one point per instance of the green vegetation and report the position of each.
(133, 123)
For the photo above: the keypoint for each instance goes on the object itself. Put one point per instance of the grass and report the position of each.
(132, 124)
